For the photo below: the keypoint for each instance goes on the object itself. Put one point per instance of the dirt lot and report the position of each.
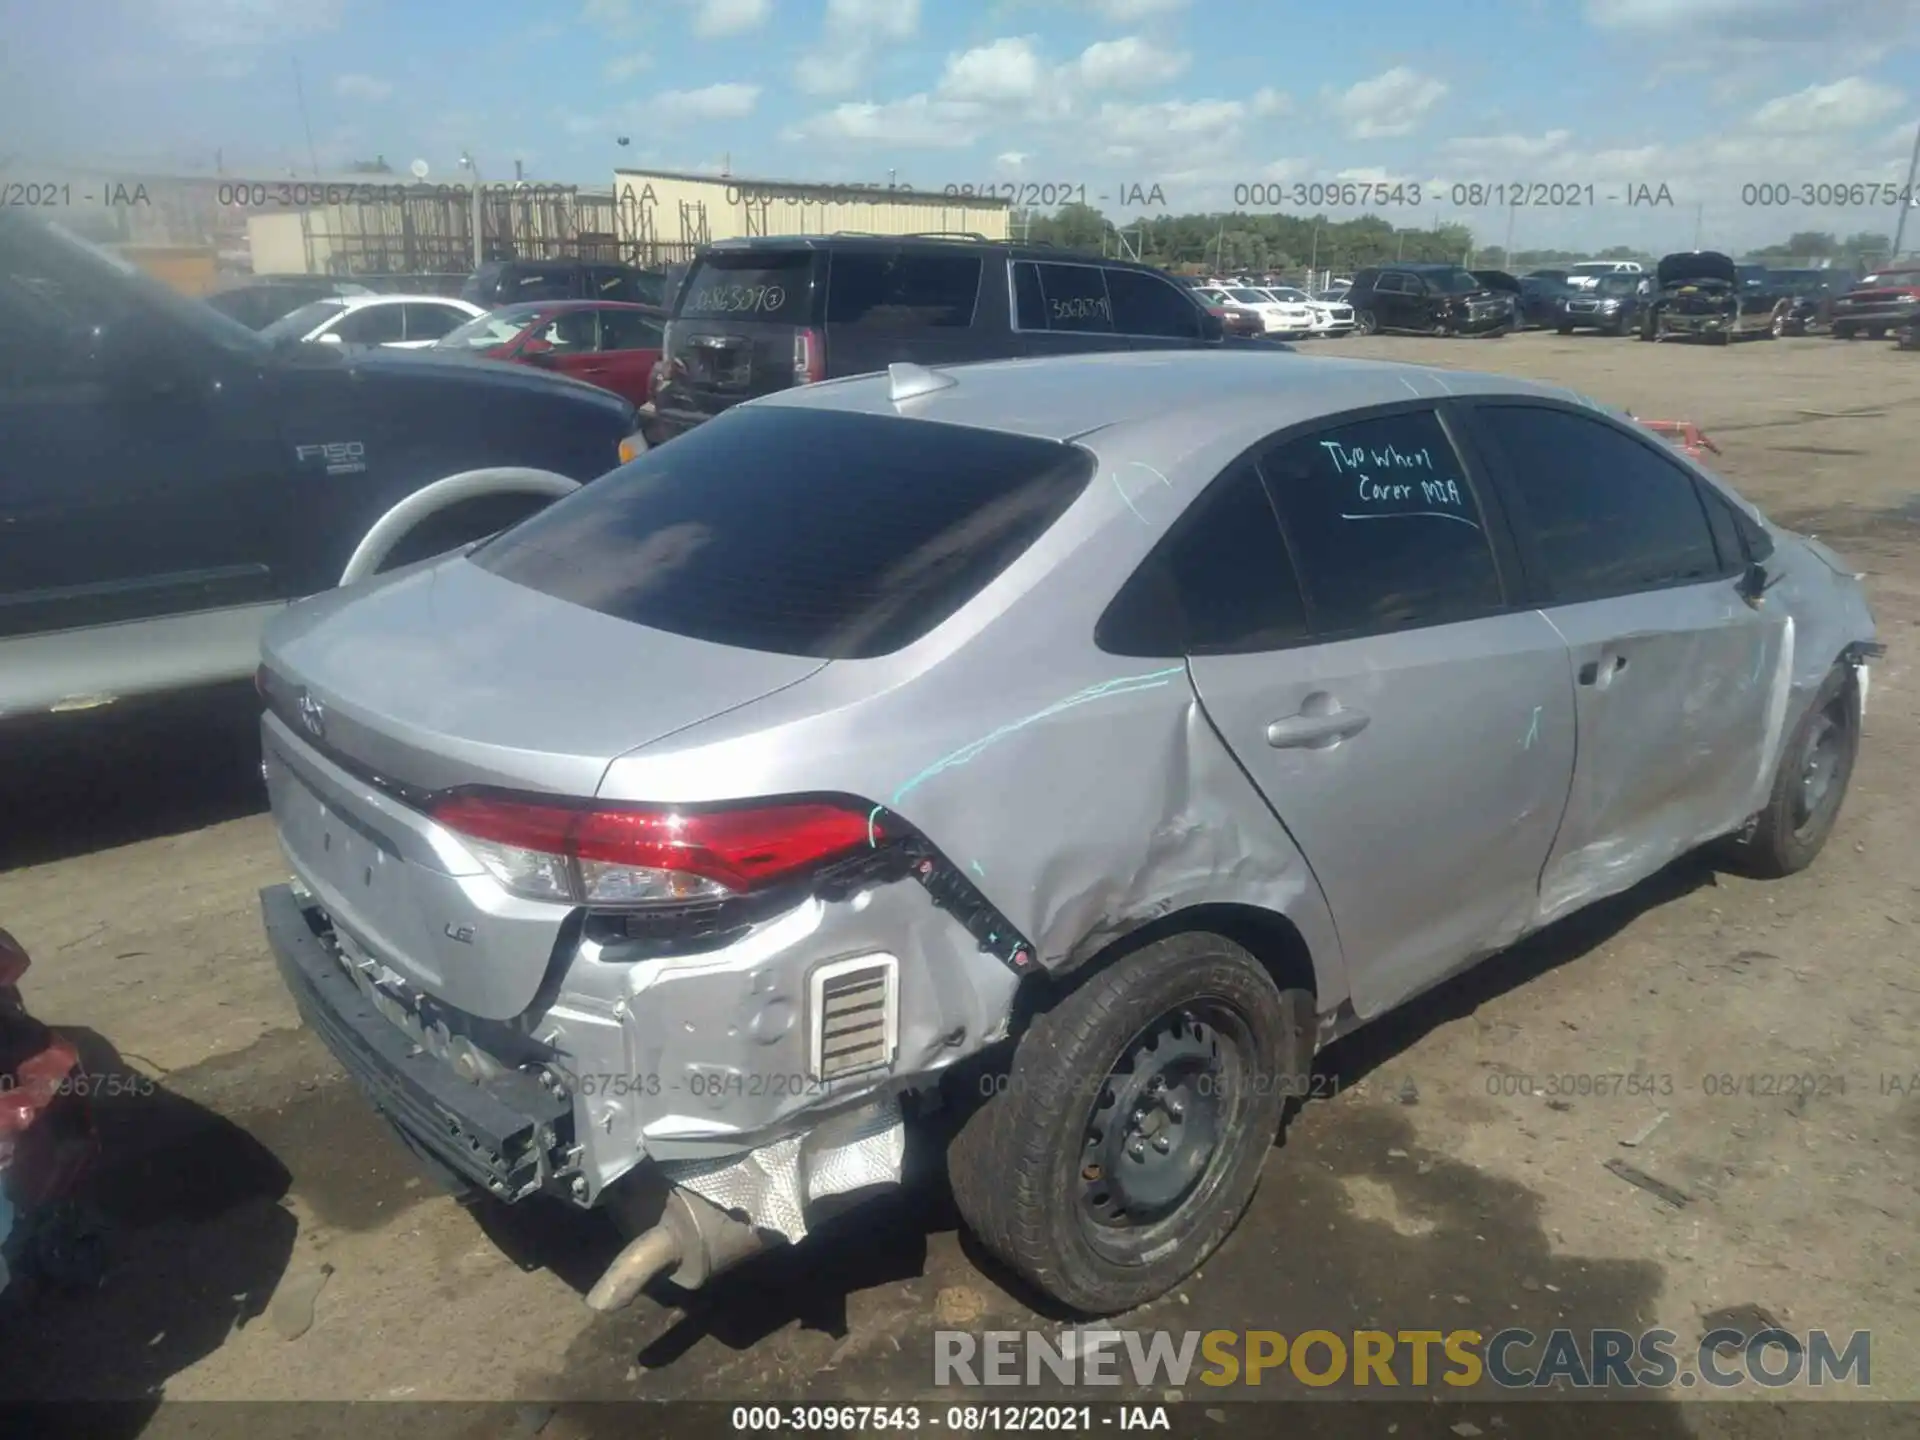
(242, 1168)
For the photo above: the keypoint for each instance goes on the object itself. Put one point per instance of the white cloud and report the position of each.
(1006, 70)
(1269, 101)
(855, 30)
(886, 19)
(1129, 63)
(1844, 105)
(1776, 21)
(1012, 159)
(919, 122)
(1126, 12)
(361, 87)
(712, 102)
(715, 19)
(238, 24)
(1501, 148)
(625, 67)
(1391, 103)
(614, 19)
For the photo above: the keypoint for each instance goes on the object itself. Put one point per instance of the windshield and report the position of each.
(1618, 284)
(91, 287)
(302, 322)
(1248, 297)
(1289, 294)
(1893, 277)
(489, 331)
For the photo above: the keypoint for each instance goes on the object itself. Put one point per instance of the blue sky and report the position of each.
(1195, 96)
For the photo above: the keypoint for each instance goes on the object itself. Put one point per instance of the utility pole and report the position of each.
(1913, 166)
(1506, 254)
(300, 96)
(1699, 222)
(467, 162)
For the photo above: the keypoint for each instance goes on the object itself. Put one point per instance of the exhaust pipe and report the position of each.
(693, 1241)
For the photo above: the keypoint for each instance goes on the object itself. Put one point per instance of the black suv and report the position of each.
(510, 282)
(169, 479)
(1428, 299)
(764, 314)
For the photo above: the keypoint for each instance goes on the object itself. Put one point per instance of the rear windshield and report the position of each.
(754, 285)
(799, 531)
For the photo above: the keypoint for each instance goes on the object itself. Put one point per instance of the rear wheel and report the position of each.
(1876, 332)
(1563, 330)
(1130, 1134)
(1809, 784)
(1845, 332)
(1364, 323)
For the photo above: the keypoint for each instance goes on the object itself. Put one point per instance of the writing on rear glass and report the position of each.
(1388, 480)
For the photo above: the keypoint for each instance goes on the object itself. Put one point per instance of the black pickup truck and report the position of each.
(168, 479)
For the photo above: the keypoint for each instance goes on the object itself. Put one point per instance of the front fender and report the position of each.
(394, 526)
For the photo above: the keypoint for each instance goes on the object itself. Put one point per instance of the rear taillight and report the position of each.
(649, 854)
(809, 357)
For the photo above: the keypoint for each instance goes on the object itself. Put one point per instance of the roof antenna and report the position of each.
(907, 382)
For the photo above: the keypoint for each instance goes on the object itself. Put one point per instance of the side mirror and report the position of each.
(1212, 327)
(332, 337)
(543, 357)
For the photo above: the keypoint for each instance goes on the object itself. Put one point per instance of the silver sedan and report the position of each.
(1077, 743)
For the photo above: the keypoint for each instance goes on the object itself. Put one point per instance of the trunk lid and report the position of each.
(448, 675)
(738, 322)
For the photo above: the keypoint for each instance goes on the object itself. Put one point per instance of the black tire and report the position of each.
(1563, 330)
(1845, 332)
(1037, 1174)
(1821, 752)
(1876, 332)
(1364, 323)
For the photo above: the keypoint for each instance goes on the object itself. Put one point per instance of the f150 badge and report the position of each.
(342, 457)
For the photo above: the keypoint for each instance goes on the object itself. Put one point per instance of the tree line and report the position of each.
(1236, 242)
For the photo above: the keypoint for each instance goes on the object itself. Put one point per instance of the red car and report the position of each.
(603, 342)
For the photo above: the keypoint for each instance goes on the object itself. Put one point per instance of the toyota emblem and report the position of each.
(313, 715)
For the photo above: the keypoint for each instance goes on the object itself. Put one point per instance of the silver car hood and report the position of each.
(447, 675)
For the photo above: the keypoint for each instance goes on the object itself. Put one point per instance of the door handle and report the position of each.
(1308, 731)
(1590, 673)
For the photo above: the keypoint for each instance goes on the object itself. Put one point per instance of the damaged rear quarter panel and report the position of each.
(1083, 794)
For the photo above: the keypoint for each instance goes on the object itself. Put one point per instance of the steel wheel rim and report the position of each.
(1162, 1127)
(1820, 764)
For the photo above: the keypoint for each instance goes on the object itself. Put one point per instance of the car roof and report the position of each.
(860, 240)
(360, 302)
(1065, 397)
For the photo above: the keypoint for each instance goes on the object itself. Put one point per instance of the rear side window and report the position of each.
(628, 330)
(1071, 298)
(373, 325)
(804, 532)
(617, 282)
(1219, 584)
(1144, 304)
(431, 322)
(875, 290)
(1384, 526)
(1607, 514)
(751, 285)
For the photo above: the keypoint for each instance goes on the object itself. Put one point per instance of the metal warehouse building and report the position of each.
(668, 210)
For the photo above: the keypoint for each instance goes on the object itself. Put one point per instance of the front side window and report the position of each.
(432, 322)
(1219, 584)
(1607, 514)
(1145, 304)
(571, 332)
(628, 330)
(1384, 525)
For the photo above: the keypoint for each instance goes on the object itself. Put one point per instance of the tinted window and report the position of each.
(1219, 584)
(372, 325)
(1145, 304)
(628, 330)
(618, 282)
(1076, 298)
(1383, 525)
(752, 285)
(300, 323)
(798, 531)
(571, 331)
(1030, 306)
(1389, 285)
(1609, 514)
(431, 322)
(880, 291)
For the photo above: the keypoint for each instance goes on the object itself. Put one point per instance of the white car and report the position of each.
(399, 322)
(1330, 317)
(1587, 274)
(1281, 317)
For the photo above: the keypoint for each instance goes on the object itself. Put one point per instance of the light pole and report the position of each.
(1913, 165)
(467, 163)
